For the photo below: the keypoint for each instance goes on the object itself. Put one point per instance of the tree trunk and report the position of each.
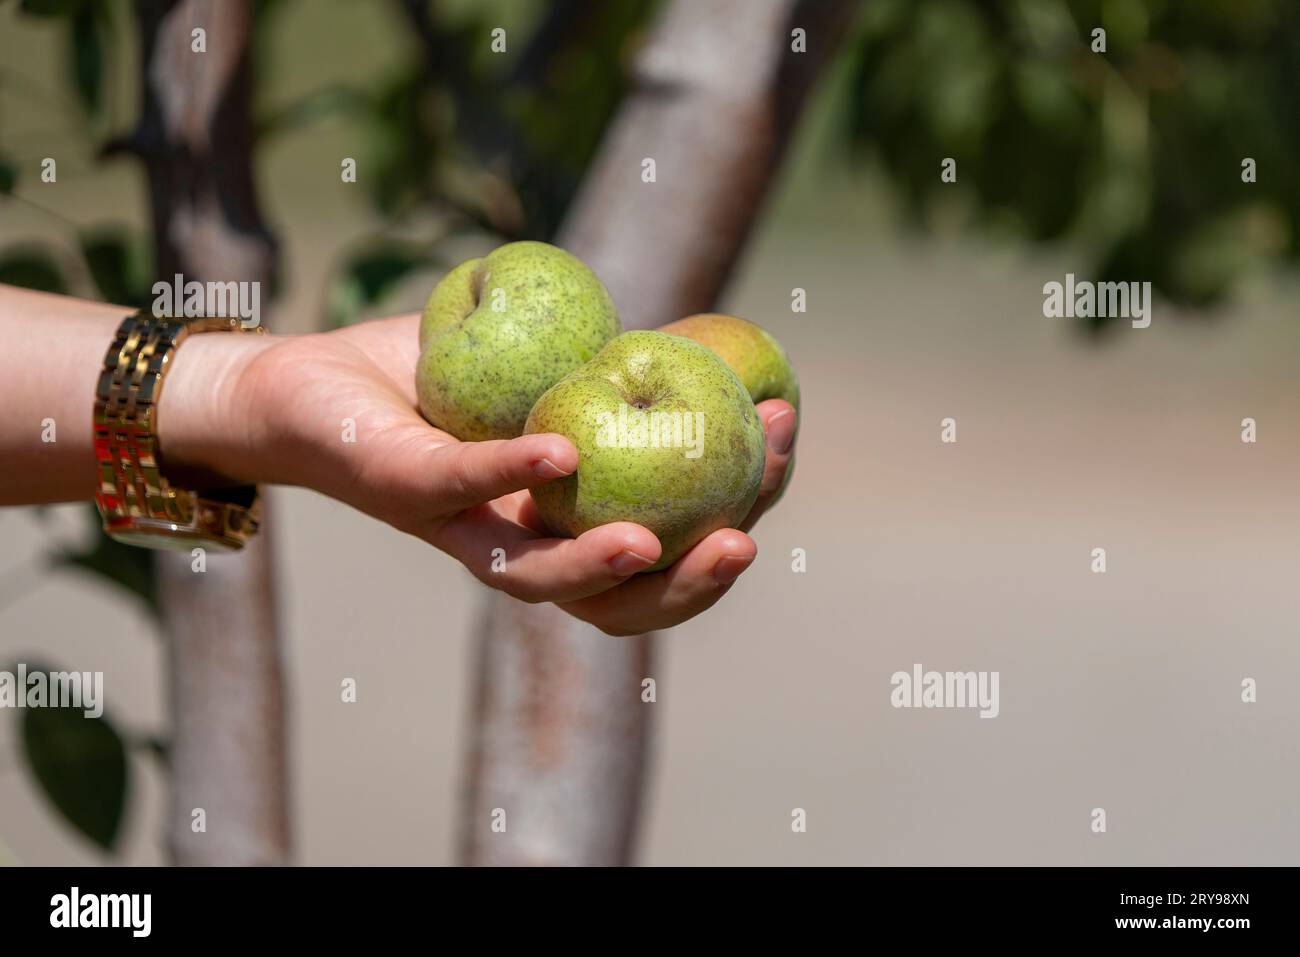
(225, 682)
(560, 737)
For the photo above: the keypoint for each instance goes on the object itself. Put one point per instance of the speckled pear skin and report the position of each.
(480, 370)
(751, 351)
(754, 355)
(678, 498)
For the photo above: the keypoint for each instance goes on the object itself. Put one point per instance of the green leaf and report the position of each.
(116, 261)
(80, 763)
(8, 176)
(368, 277)
(87, 57)
(123, 565)
(32, 268)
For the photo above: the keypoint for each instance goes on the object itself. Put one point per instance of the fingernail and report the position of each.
(628, 562)
(729, 568)
(548, 469)
(780, 432)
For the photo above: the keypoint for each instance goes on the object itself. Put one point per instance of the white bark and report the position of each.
(227, 712)
(225, 680)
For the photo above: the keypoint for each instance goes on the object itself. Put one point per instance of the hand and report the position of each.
(465, 498)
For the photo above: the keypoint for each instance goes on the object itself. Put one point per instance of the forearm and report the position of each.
(54, 350)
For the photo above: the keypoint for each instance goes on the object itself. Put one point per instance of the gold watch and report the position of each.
(138, 504)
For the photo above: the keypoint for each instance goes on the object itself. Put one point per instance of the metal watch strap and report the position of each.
(139, 506)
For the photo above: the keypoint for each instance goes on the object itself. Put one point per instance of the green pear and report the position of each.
(666, 435)
(751, 352)
(499, 331)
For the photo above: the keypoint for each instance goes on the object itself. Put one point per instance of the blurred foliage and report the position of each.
(501, 138)
(315, 107)
(482, 141)
(32, 267)
(120, 263)
(368, 275)
(90, 32)
(80, 764)
(1133, 154)
(51, 8)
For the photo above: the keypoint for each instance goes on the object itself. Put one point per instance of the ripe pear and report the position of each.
(499, 331)
(666, 435)
(753, 354)
(749, 350)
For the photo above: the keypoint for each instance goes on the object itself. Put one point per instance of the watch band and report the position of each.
(138, 504)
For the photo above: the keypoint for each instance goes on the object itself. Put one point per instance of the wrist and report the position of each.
(207, 418)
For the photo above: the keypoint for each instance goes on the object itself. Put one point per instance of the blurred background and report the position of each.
(924, 300)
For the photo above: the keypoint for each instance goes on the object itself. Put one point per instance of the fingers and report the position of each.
(534, 568)
(593, 576)
(652, 602)
(780, 422)
(465, 474)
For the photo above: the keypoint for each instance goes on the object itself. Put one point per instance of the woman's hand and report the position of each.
(337, 412)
